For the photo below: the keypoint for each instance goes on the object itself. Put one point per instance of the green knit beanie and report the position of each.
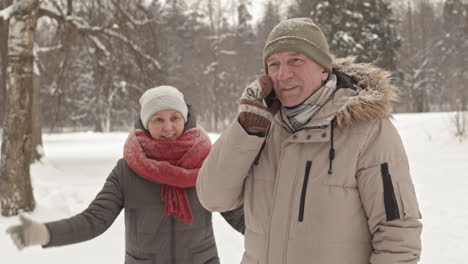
(301, 35)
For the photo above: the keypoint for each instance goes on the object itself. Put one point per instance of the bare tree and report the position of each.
(460, 125)
(36, 119)
(112, 34)
(419, 57)
(455, 21)
(3, 55)
(15, 181)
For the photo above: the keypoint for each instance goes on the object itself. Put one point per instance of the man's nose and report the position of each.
(284, 72)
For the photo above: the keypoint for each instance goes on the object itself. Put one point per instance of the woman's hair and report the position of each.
(190, 123)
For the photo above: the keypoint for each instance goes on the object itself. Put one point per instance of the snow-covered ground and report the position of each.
(77, 164)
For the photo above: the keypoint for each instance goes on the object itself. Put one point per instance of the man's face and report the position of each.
(295, 77)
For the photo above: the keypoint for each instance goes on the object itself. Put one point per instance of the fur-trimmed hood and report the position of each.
(375, 92)
(364, 92)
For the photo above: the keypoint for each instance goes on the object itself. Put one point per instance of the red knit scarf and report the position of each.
(173, 164)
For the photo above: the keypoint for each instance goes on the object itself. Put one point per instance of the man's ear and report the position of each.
(325, 75)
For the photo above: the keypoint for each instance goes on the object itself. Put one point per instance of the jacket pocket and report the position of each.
(408, 200)
(258, 197)
(206, 252)
(246, 259)
(133, 259)
(304, 190)
(142, 227)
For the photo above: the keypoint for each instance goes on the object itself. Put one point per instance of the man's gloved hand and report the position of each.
(257, 106)
(28, 233)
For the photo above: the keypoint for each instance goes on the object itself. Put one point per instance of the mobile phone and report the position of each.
(270, 98)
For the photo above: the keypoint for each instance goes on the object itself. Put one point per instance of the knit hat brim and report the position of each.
(300, 45)
(160, 103)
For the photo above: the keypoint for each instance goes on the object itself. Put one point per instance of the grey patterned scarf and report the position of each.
(303, 113)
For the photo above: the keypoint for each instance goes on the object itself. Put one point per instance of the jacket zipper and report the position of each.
(304, 190)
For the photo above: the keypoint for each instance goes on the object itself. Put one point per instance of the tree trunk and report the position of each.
(15, 182)
(98, 125)
(37, 151)
(100, 83)
(109, 107)
(3, 57)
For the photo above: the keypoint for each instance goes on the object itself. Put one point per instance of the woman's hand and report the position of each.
(28, 233)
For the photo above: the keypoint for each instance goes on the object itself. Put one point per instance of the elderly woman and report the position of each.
(154, 184)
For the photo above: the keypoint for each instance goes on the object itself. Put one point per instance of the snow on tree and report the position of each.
(418, 73)
(455, 49)
(302, 8)
(364, 29)
(269, 20)
(3, 55)
(433, 57)
(15, 182)
(101, 44)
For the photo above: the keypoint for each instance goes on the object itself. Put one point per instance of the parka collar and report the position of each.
(370, 98)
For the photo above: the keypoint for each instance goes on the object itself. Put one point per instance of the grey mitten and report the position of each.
(28, 233)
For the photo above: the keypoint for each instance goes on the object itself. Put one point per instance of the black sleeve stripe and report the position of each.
(391, 205)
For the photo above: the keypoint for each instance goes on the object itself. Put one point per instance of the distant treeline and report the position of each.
(95, 58)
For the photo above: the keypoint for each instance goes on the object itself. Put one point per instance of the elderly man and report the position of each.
(315, 161)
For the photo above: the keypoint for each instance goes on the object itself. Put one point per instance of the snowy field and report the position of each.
(77, 164)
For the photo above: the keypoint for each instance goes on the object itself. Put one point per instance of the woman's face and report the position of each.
(166, 125)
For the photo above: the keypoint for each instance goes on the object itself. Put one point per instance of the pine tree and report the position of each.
(244, 19)
(418, 61)
(361, 28)
(269, 20)
(455, 48)
(302, 8)
(245, 68)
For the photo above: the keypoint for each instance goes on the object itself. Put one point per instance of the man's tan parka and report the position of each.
(338, 191)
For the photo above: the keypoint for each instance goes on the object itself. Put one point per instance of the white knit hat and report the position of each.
(161, 98)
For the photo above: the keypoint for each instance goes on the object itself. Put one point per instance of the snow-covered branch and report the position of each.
(49, 13)
(228, 52)
(99, 45)
(146, 3)
(48, 49)
(133, 20)
(7, 12)
(83, 26)
(124, 39)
